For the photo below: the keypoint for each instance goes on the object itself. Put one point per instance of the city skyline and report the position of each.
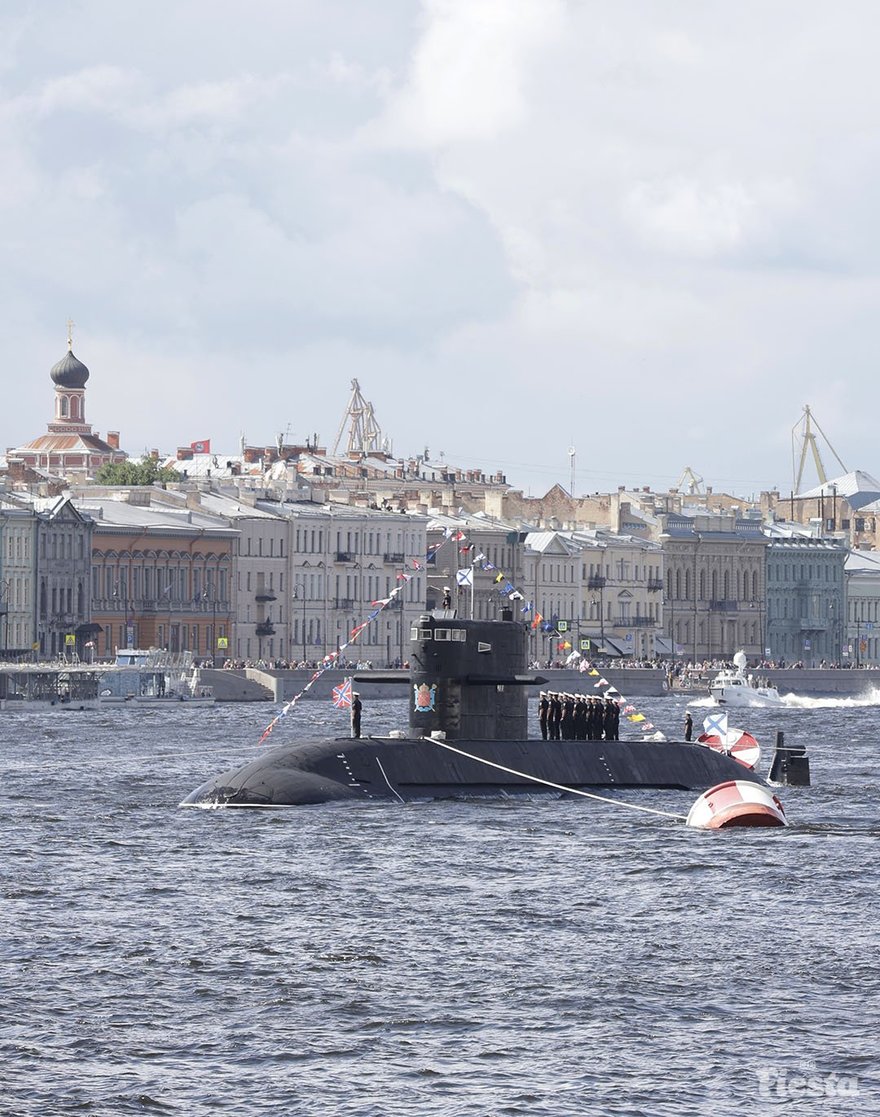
(647, 235)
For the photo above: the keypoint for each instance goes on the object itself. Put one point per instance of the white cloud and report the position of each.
(468, 75)
(540, 210)
(703, 219)
(93, 88)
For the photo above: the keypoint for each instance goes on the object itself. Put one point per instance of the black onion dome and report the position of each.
(69, 372)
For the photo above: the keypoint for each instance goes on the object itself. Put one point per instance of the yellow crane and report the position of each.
(689, 482)
(364, 432)
(803, 436)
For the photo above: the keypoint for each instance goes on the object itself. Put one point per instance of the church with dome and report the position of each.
(69, 446)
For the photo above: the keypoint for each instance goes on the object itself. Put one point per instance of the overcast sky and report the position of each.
(648, 231)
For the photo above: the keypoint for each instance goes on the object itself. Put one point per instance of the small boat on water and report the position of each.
(467, 737)
(48, 687)
(153, 675)
(733, 687)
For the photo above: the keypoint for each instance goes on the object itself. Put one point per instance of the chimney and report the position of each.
(154, 454)
(113, 439)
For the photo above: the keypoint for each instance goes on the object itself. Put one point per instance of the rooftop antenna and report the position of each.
(802, 433)
(364, 433)
(281, 438)
(572, 455)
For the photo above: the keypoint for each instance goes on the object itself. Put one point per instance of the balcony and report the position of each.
(596, 582)
(655, 584)
(397, 557)
(265, 595)
(723, 606)
(344, 603)
(634, 622)
(344, 556)
(265, 628)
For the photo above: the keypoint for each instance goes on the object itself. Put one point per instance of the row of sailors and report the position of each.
(576, 717)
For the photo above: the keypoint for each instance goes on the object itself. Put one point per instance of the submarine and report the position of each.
(467, 738)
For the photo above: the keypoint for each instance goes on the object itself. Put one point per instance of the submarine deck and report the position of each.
(417, 768)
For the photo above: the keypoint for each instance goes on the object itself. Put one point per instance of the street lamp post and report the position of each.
(297, 586)
(831, 631)
(4, 615)
(699, 540)
(671, 604)
(597, 582)
(759, 606)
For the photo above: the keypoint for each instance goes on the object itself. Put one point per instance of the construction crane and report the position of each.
(364, 433)
(690, 479)
(802, 435)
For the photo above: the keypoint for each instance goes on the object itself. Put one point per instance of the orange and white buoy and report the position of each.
(736, 803)
(740, 745)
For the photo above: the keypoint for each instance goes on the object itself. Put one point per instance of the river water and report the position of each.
(537, 957)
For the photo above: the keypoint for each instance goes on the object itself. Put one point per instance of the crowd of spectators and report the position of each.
(341, 663)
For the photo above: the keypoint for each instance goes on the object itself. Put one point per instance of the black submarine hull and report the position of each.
(419, 768)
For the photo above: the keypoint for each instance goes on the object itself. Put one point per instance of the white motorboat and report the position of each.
(733, 687)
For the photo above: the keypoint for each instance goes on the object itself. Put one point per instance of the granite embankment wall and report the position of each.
(253, 684)
(818, 682)
(280, 686)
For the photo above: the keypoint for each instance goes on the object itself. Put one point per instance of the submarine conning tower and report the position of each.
(467, 678)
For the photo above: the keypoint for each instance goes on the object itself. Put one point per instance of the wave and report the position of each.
(803, 702)
(827, 702)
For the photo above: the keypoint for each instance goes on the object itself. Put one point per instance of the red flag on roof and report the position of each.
(203, 447)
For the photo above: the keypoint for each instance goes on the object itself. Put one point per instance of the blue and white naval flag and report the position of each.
(465, 577)
(715, 725)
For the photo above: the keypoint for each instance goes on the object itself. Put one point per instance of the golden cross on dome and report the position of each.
(70, 325)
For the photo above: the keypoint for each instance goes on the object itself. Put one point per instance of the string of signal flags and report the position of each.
(506, 588)
(464, 577)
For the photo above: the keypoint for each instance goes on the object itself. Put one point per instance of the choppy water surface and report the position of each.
(540, 957)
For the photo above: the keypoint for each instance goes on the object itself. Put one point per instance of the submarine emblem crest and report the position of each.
(424, 696)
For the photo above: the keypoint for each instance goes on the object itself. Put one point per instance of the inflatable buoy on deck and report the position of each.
(736, 803)
(742, 746)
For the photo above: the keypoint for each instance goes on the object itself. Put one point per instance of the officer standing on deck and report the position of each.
(566, 727)
(356, 715)
(580, 718)
(615, 722)
(543, 713)
(688, 726)
(608, 720)
(555, 715)
(591, 718)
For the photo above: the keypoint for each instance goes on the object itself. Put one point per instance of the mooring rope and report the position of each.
(557, 786)
(385, 777)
